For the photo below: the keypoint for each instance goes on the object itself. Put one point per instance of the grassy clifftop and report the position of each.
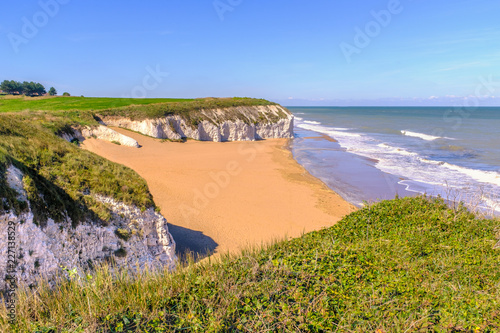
(192, 111)
(56, 103)
(182, 108)
(404, 265)
(122, 106)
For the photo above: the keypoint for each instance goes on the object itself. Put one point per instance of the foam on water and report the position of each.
(332, 131)
(426, 137)
(422, 173)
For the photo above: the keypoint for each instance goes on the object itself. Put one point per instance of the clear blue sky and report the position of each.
(289, 51)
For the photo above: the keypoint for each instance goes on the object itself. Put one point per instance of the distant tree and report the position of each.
(40, 89)
(29, 88)
(11, 87)
(5, 86)
(66, 94)
(33, 88)
(52, 91)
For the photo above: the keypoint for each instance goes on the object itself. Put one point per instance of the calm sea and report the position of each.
(381, 151)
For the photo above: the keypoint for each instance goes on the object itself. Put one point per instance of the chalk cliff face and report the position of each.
(132, 238)
(244, 123)
(100, 132)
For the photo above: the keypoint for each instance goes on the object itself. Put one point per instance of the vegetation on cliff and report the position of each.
(404, 265)
(59, 177)
(192, 111)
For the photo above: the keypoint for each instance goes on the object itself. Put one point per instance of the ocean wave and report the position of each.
(298, 118)
(482, 176)
(400, 161)
(331, 131)
(490, 177)
(423, 136)
(491, 204)
(395, 150)
(312, 122)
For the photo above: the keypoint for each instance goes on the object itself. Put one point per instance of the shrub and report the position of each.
(121, 253)
(123, 234)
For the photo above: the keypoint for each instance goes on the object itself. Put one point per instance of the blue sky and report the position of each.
(296, 52)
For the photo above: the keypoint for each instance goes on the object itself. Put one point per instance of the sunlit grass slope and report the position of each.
(403, 265)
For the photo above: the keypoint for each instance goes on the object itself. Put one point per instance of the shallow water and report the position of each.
(437, 151)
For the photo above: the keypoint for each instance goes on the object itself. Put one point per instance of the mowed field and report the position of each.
(59, 103)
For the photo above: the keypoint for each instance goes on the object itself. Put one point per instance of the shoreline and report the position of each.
(354, 177)
(225, 197)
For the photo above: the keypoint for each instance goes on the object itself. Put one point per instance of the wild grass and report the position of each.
(404, 265)
(60, 178)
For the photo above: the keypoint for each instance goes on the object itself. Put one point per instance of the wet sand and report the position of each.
(224, 197)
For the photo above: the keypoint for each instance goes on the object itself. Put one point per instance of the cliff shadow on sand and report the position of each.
(191, 243)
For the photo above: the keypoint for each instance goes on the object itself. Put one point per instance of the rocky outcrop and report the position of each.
(244, 123)
(100, 132)
(132, 238)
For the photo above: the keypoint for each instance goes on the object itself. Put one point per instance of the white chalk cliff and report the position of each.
(243, 123)
(100, 132)
(42, 250)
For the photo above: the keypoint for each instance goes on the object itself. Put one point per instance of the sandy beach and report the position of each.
(224, 197)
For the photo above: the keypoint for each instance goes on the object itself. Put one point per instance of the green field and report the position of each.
(404, 265)
(22, 103)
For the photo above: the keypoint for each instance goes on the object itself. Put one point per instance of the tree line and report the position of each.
(27, 88)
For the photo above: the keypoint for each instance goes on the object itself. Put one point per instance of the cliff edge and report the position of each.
(237, 123)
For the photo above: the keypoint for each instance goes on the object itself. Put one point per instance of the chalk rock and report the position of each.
(40, 251)
(245, 123)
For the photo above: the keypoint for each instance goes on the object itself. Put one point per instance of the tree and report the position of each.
(11, 87)
(29, 88)
(52, 91)
(33, 88)
(66, 94)
(40, 89)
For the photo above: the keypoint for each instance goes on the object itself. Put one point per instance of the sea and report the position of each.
(367, 154)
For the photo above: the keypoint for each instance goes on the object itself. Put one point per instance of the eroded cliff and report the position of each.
(131, 238)
(241, 123)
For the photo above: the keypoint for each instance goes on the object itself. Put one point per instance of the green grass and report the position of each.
(60, 178)
(405, 265)
(58, 103)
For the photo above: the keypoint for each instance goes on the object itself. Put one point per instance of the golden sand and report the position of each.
(223, 197)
